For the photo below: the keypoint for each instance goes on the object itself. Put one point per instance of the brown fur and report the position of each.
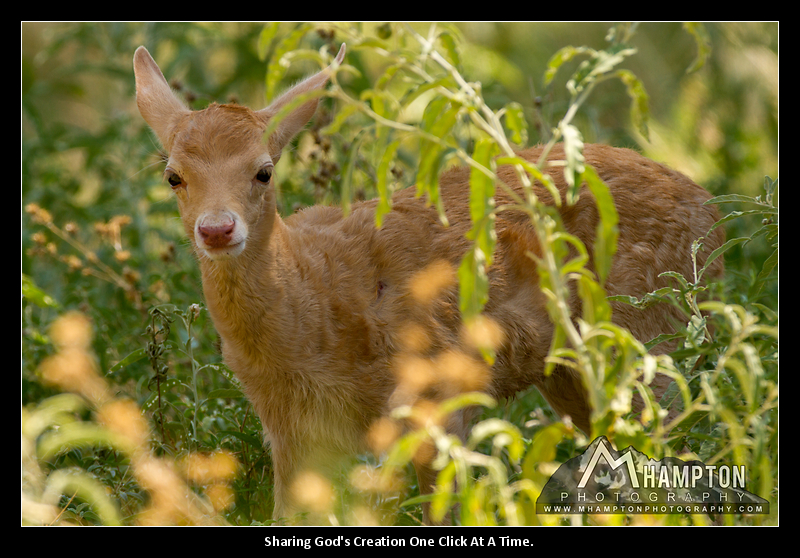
(329, 322)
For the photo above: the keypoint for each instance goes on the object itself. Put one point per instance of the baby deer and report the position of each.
(330, 322)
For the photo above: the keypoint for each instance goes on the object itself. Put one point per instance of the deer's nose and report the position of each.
(218, 235)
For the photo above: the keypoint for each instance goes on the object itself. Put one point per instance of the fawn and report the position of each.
(329, 322)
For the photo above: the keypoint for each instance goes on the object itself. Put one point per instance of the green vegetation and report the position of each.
(128, 414)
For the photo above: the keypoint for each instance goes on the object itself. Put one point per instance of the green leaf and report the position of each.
(558, 341)
(640, 106)
(166, 385)
(730, 198)
(253, 441)
(559, 58)
(443, 493)
(473, 283)
(340, 119)
(481, 198)
(681, 280)
(605, 243)
(33, 293)
(382, 183)
(656, 297)
(491, 428)
(288, 108)
(52, 412)
(382, 103)
(703, 42)
(738, 214)
(438, 120)
(445, 82)
(135, 356)
(594, 302)
(265, 39)
(770, 186)
(347, 188)
(76, 435)
(69, 482)
(451, 48)
(765, 273)
(464, 400)
(573, 151)
(516, 123)
(560, 248)
(543, 449)
(721, 250)
(403, 451)
(277, 68)
(535, 173)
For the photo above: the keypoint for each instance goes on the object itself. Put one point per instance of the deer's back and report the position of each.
(661, 213)
(376, 271)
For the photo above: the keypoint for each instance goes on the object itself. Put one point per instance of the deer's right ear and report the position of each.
(294, 121)
(158, 105)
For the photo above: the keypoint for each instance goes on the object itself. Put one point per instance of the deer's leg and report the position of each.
(565, 393)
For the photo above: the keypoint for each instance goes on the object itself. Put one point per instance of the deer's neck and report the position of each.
(246, 297)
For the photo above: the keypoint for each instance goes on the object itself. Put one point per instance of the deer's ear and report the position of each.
(299, 111)
(158, 105)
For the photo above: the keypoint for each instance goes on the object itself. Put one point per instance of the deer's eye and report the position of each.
(264, 175)
(175, 181)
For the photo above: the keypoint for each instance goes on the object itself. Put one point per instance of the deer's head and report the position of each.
(220, 163)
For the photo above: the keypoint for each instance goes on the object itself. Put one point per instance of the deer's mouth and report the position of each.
(226, 252)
